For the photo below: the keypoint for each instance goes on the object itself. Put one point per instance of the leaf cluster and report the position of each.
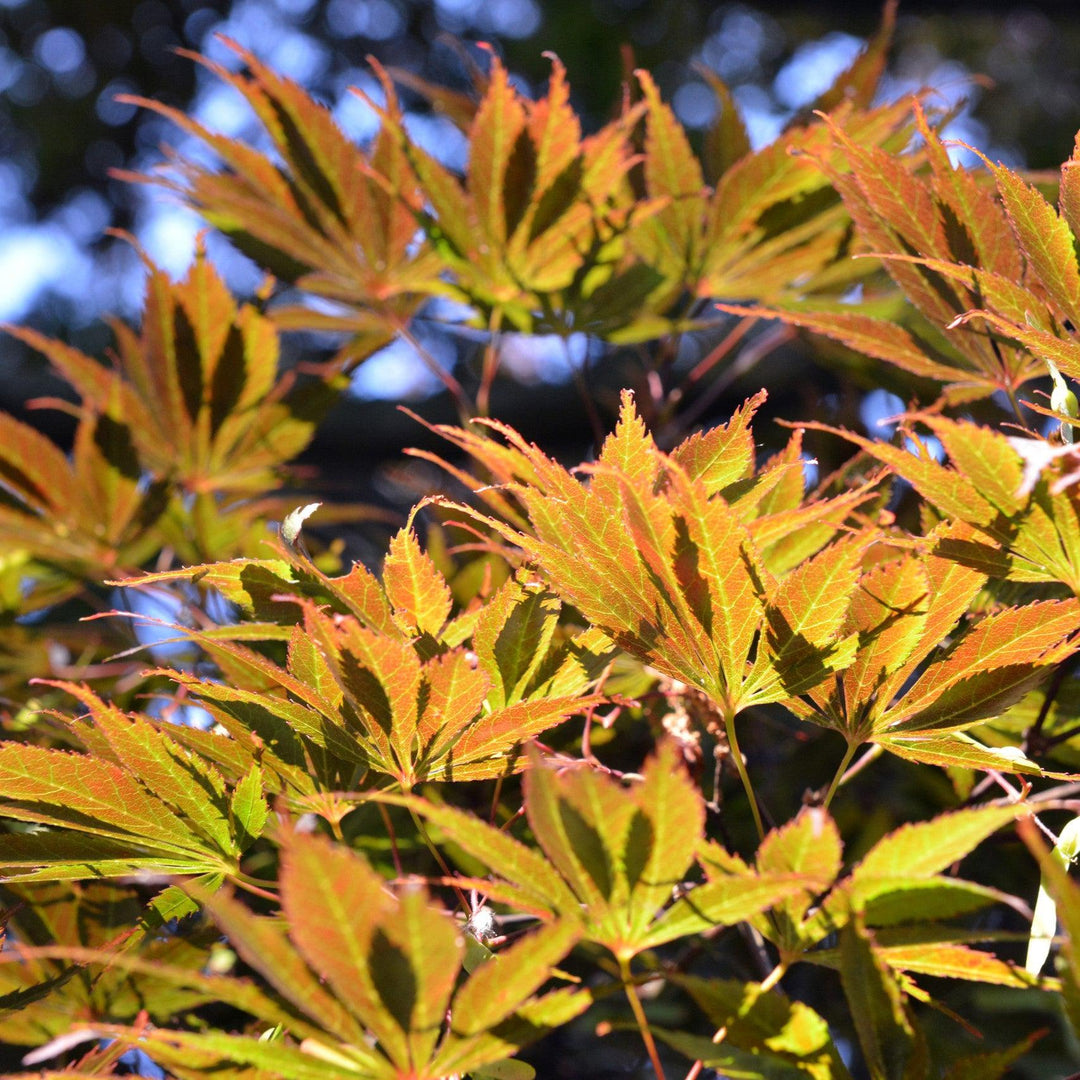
(661, 749)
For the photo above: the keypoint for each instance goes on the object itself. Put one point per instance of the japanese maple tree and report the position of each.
(673, 750)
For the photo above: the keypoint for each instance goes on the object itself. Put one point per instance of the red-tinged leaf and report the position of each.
(357, 593)
(672, 171)
(958, 750)
(727, 140)
(454, 230)
(511, 640)
(991, 667)
(1064, 352)
(721, 903)
(1007, 296)
(363, 597)
(250, 584)
(263, 944)
(417, 591)
(321, 157)
(252, 668)
(808, 844)
(886, 1033)
(952, 961)
(1069, 190)
(947, 489)
(607, 158)
(620, 850)
(1046, 240)
(886, 612)
(582, 821)
(281, 725)
(337, 907)
(978, 231)
(927, 848)
(629, 449)
(554, 128)
(233, 756)
(309, 665)
(193, 788)
(789, 537)
(713, 553)
(903, 900)
(777, 488)
(173, 374)
(724, 454)
(985, 457)
(498, 123)
(874, 337)
(895, 194)
(380, 677)
(78, 792)
(454, 694)
(814, 598)
(748, 188)
(655, 536)
(804, 615)
(665, 833)
(951, 587)
(208, 311)
(119, 504)
(415, 959)
(500, 985)
(981, 696)
(37, 470)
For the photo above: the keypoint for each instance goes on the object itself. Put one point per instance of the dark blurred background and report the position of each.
(62, 63)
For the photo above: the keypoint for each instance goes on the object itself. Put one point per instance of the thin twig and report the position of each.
(756, 351)
(640, 1017)
(456, 390)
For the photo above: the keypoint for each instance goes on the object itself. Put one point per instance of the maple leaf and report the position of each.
(656, 557)
(913, 696)
(898, 886)
(538, 232)
(323, 215)
(614, 854)
(948, 245)
(81, 514)
(192, 410)
(1014, 495)
(140, 802)
(792, 1033)
(775, 228)
(40, 996)
(379, 679)
(364, 979)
